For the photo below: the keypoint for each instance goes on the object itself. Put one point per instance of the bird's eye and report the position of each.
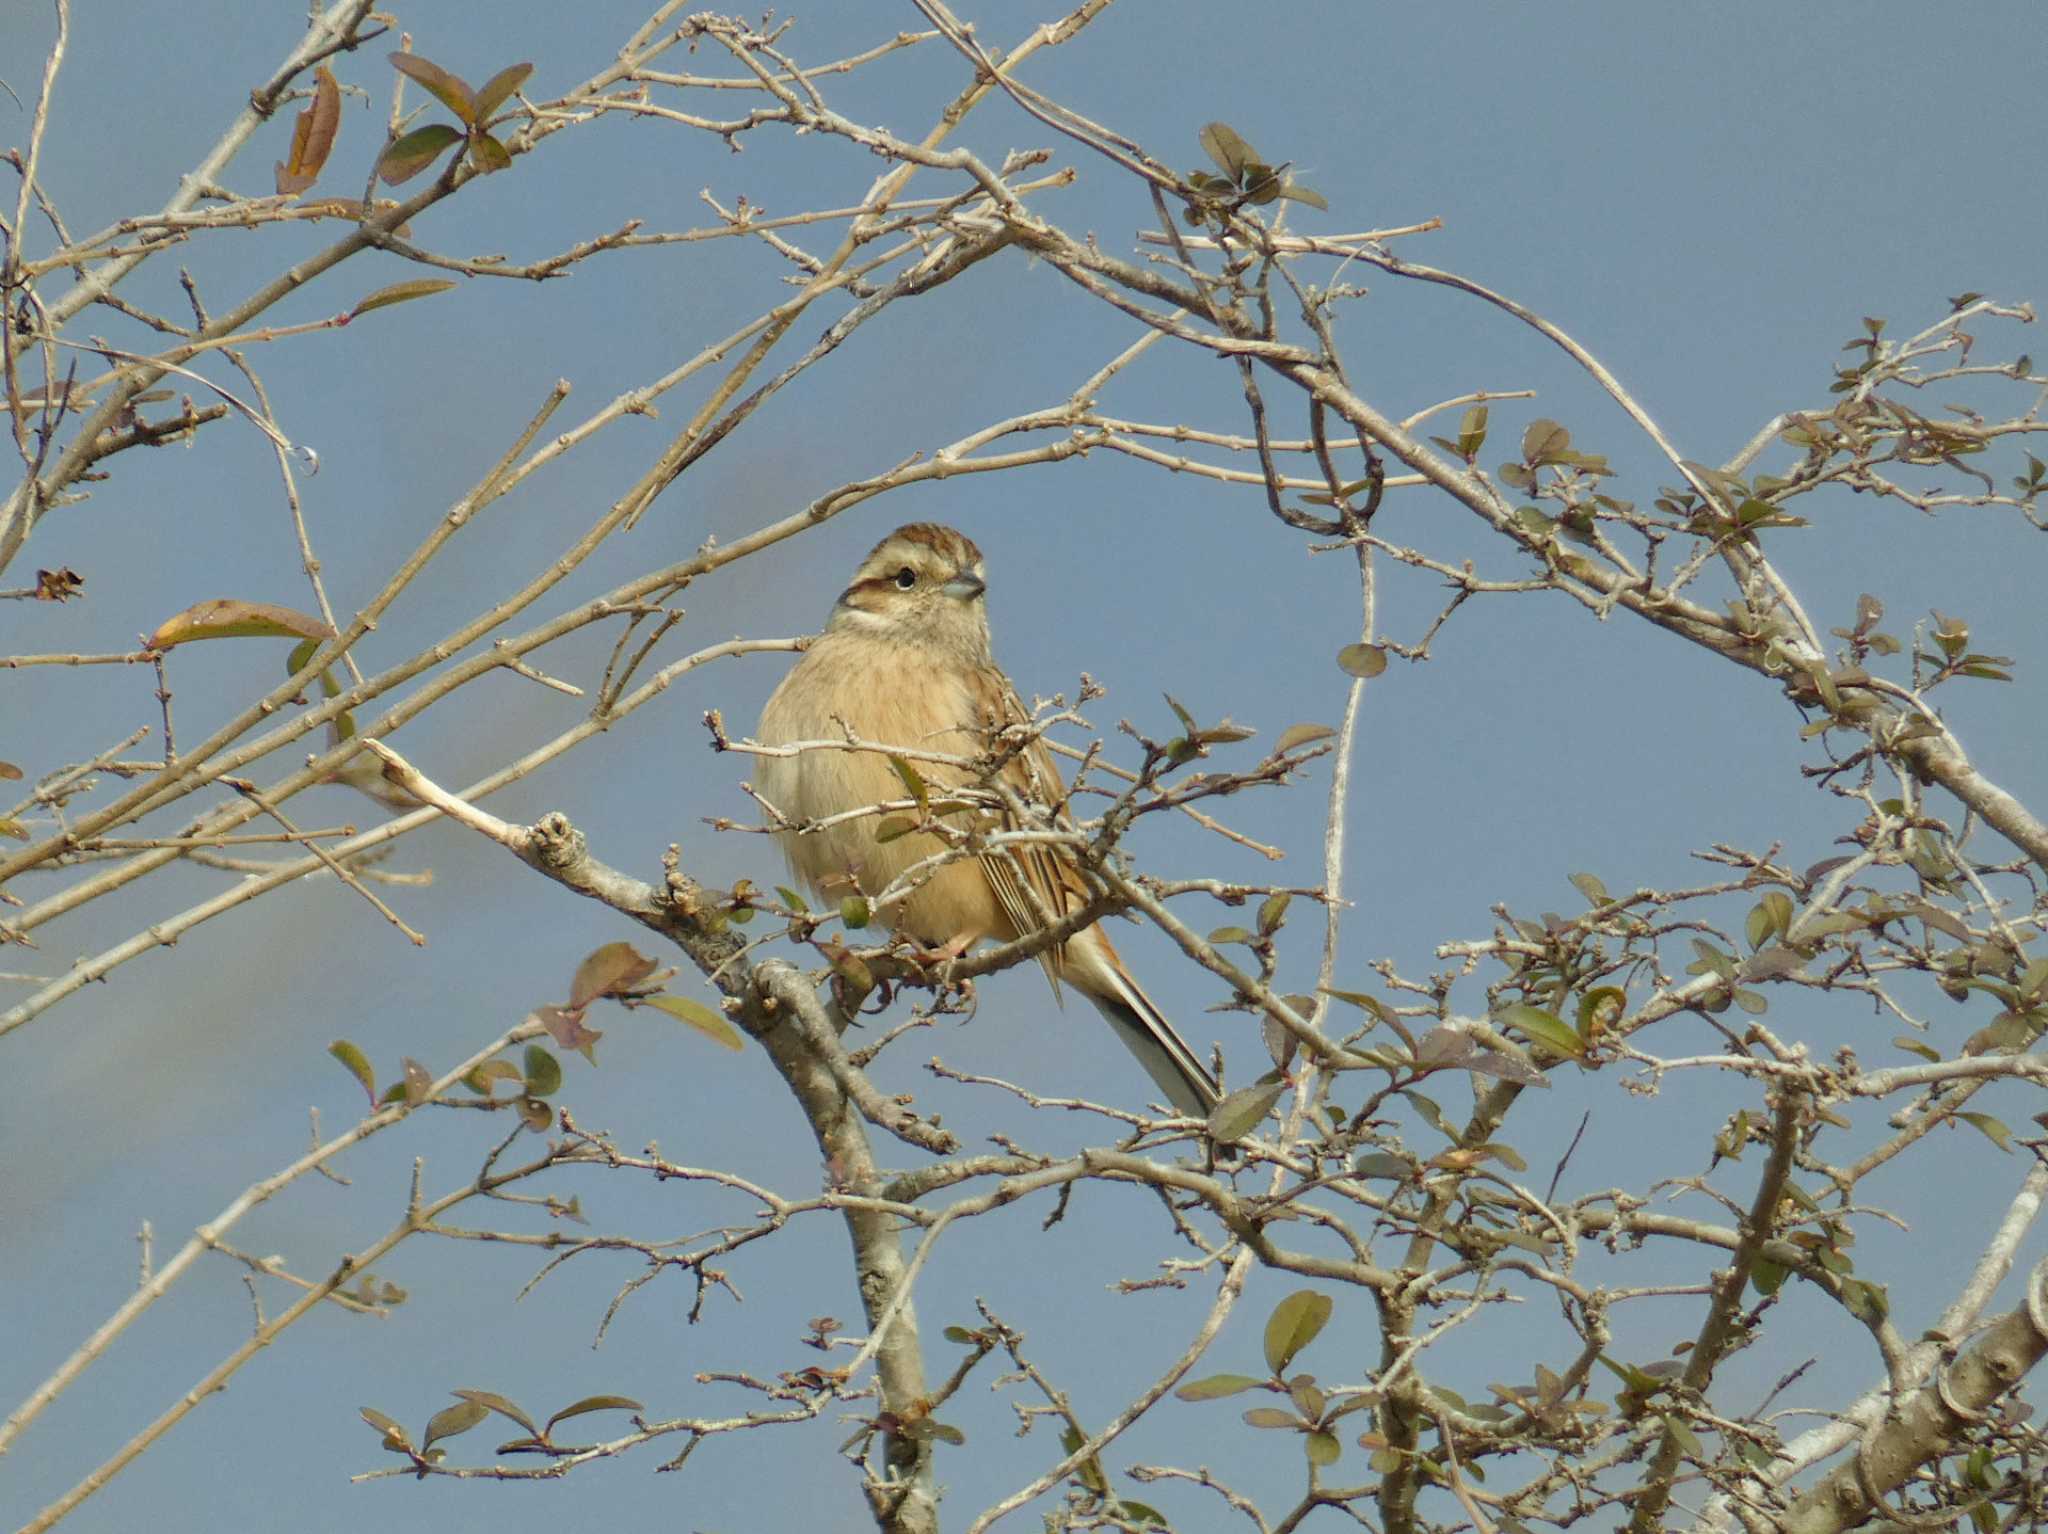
(905, 578)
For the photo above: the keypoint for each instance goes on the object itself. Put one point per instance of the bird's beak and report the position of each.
(966, 586)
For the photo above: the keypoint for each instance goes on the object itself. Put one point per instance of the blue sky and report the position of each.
(1711, 199)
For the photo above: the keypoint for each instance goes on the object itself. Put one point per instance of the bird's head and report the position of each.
(922, 585)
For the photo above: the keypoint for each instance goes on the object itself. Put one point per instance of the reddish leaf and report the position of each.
(566, 1027)
(608, 971)
(312, 136)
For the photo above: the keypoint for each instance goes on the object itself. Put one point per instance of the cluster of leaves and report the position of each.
(472, 1408)
(1246, 180)
(539, 1076)
(315, 130)
(413, 152)
(1572, 481)
(621, 973)
(1549, 1406)
(1294, 1323)
(614, 971)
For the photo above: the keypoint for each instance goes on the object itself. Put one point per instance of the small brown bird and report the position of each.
(905, 661)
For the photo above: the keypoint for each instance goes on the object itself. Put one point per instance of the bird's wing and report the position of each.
(1018, 873)
(1088, 958)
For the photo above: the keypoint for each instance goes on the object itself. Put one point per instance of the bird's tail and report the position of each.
(1146, 1033)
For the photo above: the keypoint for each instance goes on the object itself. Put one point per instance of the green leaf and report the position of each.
(488, 155)
(295, 662)
(226, 618)
(1505, 1154)
(397, 293)
(712, 1025)
(792, 900)
(1294, 191)
(543, 1074)
(1590, 886)
(1243, 1111)
(853, 910)
(891, 828)
(1686, 1439)
(1867, 1302)
(1769, 917)
(484, 1079)
(1472, 432)
(1767, 1276)
(1272, 912)
(1544, 1028)
(1711, 960)
(1372, 1006)
(358, 1066)
(1599, 1010)
(411, 153)
(1323, 1448)
(1362, 660)
(1992, 1129)
(450, 90)
(1230, 935)
(1294, 1324)
(451, 1420)
(1432, 1113)
(1216, 1387)
(1228, 732)
(394, 1435)
(913, 783)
